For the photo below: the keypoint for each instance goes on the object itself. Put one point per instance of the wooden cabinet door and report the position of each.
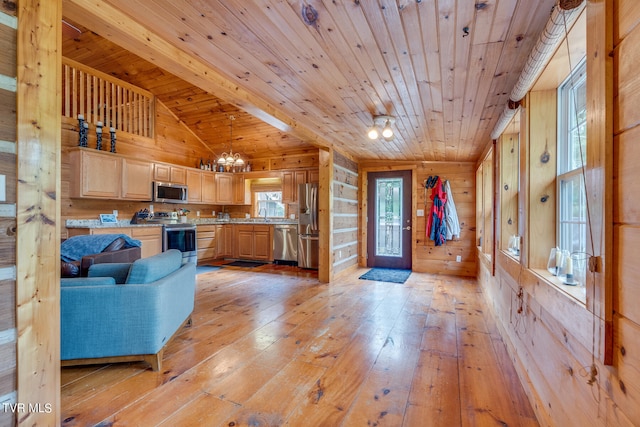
(228, 240)
(97, 175)
(207, 242)
(151, 238)
(136, 180)
(208, 187)
(162, 173)
(244, 242)
(194, 186)
(287, 187)
(224, 188)
(239, 193)
(314, 176)
(262, 243)
(178, 175)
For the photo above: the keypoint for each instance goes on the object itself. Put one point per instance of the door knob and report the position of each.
(408, 227)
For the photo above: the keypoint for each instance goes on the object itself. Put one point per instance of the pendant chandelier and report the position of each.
(230, 159)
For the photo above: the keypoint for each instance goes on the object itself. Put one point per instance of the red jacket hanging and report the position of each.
(436, 228)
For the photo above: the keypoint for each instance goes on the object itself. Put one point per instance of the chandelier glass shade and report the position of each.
(230, 159)
(381, 123)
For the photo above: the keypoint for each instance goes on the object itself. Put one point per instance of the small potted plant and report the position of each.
(182, 214)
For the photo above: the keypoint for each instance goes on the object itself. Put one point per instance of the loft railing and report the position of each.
(100, 97)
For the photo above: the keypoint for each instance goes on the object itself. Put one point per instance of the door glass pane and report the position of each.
(388, 217)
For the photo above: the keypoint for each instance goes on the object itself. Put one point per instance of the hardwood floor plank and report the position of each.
(272, 347)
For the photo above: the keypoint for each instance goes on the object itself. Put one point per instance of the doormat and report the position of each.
(206, 268)
(249, 264)
(392, 275)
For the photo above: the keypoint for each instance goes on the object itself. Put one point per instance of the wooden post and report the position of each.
(38, 210)
(325, 209)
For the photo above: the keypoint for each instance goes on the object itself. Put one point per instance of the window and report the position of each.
(269, 204)
(572, 140)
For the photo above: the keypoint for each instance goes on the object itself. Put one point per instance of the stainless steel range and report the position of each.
(177, 235)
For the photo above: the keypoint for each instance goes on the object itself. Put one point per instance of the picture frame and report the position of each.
(108, 219)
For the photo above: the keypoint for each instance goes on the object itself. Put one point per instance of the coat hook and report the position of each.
(465, 30)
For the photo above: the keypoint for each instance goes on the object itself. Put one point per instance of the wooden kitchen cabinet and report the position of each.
(194, 185)
(95, 174)
(169, 173)
(208, 191)
(253, 242)
(224, 188)
(151, 238)
(291, 180)
(224, 241)
(239, 190)
(207, 242)
(136, 180)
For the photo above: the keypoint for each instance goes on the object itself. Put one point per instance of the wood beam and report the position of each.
(38, 210)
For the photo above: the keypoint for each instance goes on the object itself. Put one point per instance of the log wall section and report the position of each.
(8, 41)
(344, 248)
(553, 338)
(428, 258)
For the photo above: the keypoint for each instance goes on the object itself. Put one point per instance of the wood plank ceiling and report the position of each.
(305, 73)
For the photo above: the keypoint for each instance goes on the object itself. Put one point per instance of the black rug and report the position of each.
(249, 264)
(392, 275)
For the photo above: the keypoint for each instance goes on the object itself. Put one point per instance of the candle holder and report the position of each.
(555, 259)
(112, 131)
(82, 131)
(99, 136)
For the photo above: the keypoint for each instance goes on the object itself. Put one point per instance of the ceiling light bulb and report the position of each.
(373, 133)
(387, 132)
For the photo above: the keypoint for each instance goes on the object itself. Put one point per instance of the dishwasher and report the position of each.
(285, 244)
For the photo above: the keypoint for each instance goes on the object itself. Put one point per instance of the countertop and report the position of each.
(94, 223)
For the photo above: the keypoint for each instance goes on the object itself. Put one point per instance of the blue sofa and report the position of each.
(126, 312)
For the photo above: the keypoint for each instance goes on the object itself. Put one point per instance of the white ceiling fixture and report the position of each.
(381, 123)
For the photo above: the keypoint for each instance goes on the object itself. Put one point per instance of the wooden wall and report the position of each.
(344, 251)
(428, 258)
(552, 338)
(8, 34)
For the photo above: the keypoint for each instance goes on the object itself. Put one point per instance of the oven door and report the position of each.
(180, 238)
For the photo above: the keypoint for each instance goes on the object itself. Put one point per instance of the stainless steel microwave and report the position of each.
(166, 192)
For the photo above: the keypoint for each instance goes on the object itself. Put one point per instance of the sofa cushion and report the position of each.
(147, 270)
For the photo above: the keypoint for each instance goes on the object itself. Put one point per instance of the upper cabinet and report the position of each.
(102, 175)
(136, 179)
(170, 173)
(291, 180)
(224, 188)
(194, 185)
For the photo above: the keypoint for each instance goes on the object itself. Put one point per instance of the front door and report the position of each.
(389, 220)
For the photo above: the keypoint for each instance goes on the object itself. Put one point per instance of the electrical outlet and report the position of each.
(458, 258)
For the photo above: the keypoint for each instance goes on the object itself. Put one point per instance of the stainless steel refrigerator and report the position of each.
(308, 226)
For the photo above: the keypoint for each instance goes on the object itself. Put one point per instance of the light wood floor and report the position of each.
(272, 346)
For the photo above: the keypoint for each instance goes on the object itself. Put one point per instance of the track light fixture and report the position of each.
(384, 123)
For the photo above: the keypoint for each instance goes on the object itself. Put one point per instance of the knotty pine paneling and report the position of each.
(554, 339)
(429, 258)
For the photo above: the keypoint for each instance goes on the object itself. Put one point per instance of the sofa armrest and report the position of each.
(86, 281)
(122, 255)
(118, 270)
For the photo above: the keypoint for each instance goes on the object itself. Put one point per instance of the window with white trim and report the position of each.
(572, 146)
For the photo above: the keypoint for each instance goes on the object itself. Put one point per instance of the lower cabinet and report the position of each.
(150, 237)
(224, 241)
(253, 242)
(207, 242)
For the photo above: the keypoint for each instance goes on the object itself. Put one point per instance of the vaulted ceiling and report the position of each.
(304, 73)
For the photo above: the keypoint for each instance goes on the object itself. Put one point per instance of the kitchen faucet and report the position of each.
(265, 213)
